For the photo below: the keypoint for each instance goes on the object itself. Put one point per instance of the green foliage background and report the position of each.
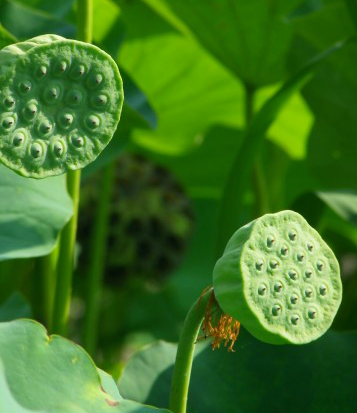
(252, 106)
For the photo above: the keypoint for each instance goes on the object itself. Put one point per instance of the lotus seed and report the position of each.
(270, 241)
(25, 87)
(41, 71)
(292, 235)
(8, 122)
(292, 274)
(294, 298)
(291, 278)
(308, 273)
(9, 102)
(75, 97)
(77, 141)
(60, 67)
(312, 313)
(295, 319)
(319, 265)
(58, 148)
(262, 289)
(259, 265)
(278, 287)
(66, 119)
(78, 72)
(323, 289)
(92, 122)
(45, 127)
(52, 93)
(100, 101)
(19, 138)
(36, 150)
(95, 80)
(30, 111)
(308, 292)
(276, 310)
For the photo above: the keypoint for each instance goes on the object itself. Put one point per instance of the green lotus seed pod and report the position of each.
(61, 102)
(279, 279)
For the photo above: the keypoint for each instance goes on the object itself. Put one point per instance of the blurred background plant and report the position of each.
(225, 119)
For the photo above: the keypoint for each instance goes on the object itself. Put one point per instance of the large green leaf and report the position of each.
(251, 38)
(187, 88)
(53, 375)
(332, 95)
(32, 213)
(313, 378)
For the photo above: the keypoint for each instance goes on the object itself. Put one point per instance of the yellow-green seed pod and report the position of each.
(279, 279)
(61, 102)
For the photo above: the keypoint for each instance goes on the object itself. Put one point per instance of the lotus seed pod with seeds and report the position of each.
(279, 279)
(61, 102)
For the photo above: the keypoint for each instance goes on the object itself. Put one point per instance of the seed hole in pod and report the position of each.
(100, 101)
(78, 141)
(52, 93)
(94, 80)
(58, 148)
(24, 86)
(78, 72)
(308, 292)
(300, 256)
(9, 102)
(310, 246)
(284, 250)
(294, 298)
(8, 122)
(36, 150)
(92, 122)
(320, 265)
(74, 97)
(276, 310)
(45, 127)
(323, 289)
(294, 319)
(308, 273)
(60, 67)
(66, 119)
(292, 235)
(312, 313)
(262, 289)
(41, 72)
(30, 110)
(18, 139)
(274, 264)
(278, 287)
(270, 241)
(293, 274)
(259, 265)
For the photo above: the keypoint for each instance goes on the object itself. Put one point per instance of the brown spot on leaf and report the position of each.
(112, 403)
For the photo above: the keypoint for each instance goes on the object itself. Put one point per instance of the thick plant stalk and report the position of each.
(68, 235)
(66, 260)
(97, 259)
(185, 353)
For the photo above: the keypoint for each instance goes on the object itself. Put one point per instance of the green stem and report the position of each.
(97, 259)
(66, 260)
(44, 286)
(185, 352)
(68, 235)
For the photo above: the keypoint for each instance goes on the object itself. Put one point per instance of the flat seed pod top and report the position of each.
(279, 279)
(60, 105)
